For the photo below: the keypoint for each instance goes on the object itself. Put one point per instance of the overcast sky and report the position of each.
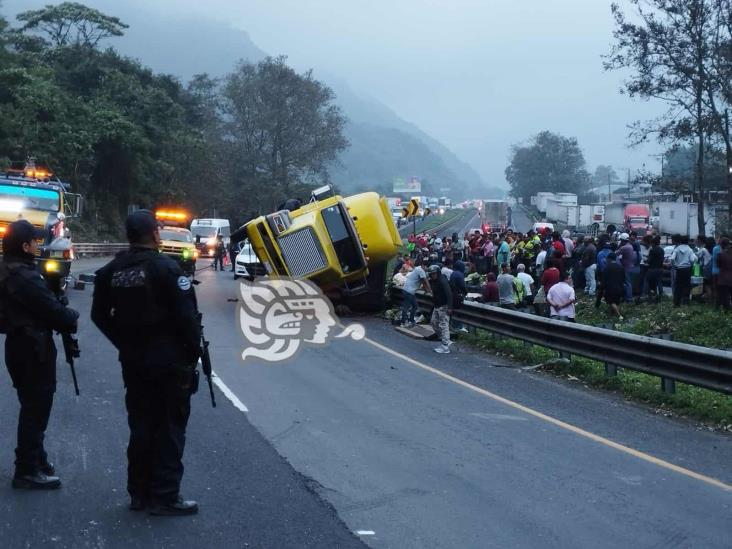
(479, 75)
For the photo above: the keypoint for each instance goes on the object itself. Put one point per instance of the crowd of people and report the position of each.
(544, 270)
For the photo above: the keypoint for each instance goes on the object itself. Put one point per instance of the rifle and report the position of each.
(71, 344)
(72, 351)
(206, 362)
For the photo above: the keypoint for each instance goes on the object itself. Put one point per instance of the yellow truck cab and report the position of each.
(338, 243)
(33, 193)
(176, 241)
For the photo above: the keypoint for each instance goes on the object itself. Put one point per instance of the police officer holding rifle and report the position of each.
(147, 308)
(29, 313)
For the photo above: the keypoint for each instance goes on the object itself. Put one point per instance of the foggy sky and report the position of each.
(479, 75)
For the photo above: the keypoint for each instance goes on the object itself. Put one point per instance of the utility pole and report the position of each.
(662, 156)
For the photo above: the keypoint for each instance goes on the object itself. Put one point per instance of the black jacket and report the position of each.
(31, 312)
(613, 278)
(442, 295)
(147, 308)
(27, 301)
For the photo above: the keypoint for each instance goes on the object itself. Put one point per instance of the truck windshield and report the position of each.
(177, 236)
(203, 231)
(344, 245)
(15, 198)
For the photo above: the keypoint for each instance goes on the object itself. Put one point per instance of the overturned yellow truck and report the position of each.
(341, 244)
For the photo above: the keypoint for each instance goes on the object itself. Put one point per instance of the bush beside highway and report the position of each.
(695, 324)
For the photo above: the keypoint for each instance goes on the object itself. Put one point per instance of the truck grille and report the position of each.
(302, 252)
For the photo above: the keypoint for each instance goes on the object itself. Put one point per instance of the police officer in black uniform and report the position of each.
(30, 314)
(147, 308)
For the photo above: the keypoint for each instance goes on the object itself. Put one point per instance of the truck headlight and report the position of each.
(52, 266)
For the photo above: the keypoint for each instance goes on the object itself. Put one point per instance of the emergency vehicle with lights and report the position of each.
(176, 241)
(32, 192)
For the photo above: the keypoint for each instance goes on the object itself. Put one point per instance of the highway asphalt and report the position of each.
(382, 437)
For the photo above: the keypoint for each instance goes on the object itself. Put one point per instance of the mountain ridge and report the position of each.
(184, 47)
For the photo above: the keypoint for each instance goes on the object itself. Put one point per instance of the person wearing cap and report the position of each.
(442, 300)
(30, 313)
(147, 308)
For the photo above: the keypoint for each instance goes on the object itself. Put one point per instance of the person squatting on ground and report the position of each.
(416, 279)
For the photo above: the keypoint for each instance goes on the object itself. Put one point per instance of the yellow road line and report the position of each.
(563, 425)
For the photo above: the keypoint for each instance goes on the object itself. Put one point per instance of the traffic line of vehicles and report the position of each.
(340, 243)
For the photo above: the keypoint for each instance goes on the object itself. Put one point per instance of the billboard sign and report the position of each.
(408, 185)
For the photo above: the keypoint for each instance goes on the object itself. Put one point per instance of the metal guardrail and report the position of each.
(82, 249)
(669, 360)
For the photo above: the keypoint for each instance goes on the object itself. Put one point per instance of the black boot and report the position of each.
(47, 469)
(177, 508)
(36, 481)
(138, 503)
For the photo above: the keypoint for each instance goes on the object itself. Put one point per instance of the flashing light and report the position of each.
(52, 266)
(171, 215)
(3, 229)
(37, 173)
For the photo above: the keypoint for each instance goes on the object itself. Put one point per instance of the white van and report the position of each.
(206, 233)
(540, 226)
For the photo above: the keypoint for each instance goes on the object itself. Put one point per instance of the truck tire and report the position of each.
(374, 298)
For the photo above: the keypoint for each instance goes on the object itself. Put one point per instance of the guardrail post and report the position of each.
(611, 370)
(668, 385)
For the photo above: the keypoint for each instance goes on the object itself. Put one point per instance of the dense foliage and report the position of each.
(124, 136)
(549, 162)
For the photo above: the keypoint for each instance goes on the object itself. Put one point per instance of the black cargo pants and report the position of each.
(158, 406)
(30, 357)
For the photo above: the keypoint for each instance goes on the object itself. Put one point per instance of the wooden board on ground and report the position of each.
(420, 331)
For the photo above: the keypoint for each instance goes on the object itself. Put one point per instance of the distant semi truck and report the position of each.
(494, 215)
(629, 217)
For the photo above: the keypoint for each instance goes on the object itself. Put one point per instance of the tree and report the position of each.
(71, 24)
(550, 163)
(674, 49)
(604, 176)
(283, 126)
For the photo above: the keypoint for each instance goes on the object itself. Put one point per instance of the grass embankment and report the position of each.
(434, 220)
(695, 324)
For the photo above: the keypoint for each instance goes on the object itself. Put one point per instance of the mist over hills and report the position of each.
(383, 145)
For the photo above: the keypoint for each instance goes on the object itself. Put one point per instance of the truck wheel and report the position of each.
(374, 298)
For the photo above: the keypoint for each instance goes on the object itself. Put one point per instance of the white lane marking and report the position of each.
(365, 532)
(499, 417)
(554, 421)
(238, 404)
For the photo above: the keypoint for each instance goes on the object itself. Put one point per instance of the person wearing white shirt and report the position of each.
(528, 281)
(561, 299)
